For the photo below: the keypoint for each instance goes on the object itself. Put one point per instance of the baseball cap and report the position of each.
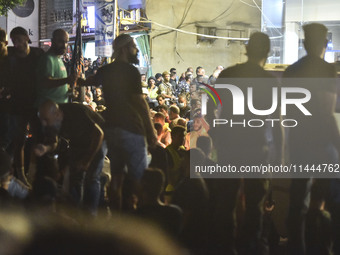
(20, 31)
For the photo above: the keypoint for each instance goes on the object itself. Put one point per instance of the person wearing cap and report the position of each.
(128, 123)
(240, 145)
(165, 88)
(52, 74)
(22, 61)
(316, 139)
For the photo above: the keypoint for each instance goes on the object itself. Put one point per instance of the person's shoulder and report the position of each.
(10, 50)
(47, 56)
(37, 51)
(230, 71)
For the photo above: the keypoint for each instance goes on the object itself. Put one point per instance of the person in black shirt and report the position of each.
(127, 118)
(22, 62)
(316, 139)
(81, 127)
(239, 145)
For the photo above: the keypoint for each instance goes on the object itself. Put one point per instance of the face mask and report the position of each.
(181, 105)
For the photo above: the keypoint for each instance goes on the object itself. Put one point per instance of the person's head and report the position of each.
(315, 39)
(152, 183)
(173, 70)
(20, 39)
(190, 69)
(200, 71)
(178, 134)
(197, 122)
(173, 112)
(182, 101)
(220, 68)
(258, 46)
(151, 82)
(163, 109)
(192, 87)
(143, 77)
(160, 99)
(124, 48)
(159, 118)
(87, 97)
(173, 76)
(3, 43)
(166, 76)
(50, 116)
(195, 104)
(158, 76)
(60, 40)
(86, 62)
(98, 92)
(205, 144)
(182, 122)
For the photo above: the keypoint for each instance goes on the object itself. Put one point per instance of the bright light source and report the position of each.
(91, 16)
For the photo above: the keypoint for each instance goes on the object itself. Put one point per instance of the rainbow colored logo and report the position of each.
(210, 94)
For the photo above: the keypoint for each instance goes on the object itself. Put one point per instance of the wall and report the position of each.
(303, 11)
(312, 10)
(181, 50)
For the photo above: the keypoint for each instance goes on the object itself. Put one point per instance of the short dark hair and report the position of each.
(162, 106)
(160, 96)
(178, 130)
(174, 109)
(159, 115)
(258, 45)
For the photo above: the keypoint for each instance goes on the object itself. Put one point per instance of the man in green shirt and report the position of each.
(51, 71)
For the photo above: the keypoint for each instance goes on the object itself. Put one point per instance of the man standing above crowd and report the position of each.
(52, 74)
(127, 115)
(244, 145)
(316, 139)
(22, 82)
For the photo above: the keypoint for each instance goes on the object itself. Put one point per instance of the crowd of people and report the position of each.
(119, 141)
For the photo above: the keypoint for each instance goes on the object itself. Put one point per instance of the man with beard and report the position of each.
(81, 126)
(127, 117)
(52, 74)
(165, 88)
